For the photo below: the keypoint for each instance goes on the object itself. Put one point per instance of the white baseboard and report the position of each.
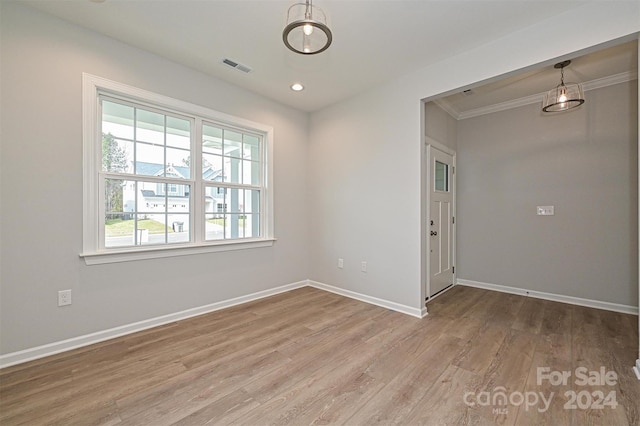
(625, 309)
(31, 354)
(37, 352)
(415, 312)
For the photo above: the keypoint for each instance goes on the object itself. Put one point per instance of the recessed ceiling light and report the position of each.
(296, 87)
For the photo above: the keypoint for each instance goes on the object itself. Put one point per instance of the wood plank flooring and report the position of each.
(312, 357)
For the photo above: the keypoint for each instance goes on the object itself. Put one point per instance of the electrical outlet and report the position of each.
(363, 266)
(340, 263)
(64, 297)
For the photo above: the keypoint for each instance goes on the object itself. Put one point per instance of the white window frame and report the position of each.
(93, 253)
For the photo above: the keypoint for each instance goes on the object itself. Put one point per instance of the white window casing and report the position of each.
(95, 251)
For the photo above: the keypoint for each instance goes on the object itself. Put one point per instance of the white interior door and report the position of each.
(441, 220)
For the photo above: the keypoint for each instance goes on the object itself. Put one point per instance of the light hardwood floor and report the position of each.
(312, 357)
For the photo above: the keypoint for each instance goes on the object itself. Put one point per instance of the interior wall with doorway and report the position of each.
(441, 131)
(440, 126)
(582, 162)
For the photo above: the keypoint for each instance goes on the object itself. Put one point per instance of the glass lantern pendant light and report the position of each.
(306, 32)
(564, 96)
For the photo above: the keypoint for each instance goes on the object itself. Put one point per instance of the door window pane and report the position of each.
(442, 176)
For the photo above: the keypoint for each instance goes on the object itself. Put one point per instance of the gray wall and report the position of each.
(584, 162)
(364, 196)
(440, 126)
(41, 174)
(370, 167)
(365, 178)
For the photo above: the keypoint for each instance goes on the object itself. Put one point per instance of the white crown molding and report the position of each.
(532, 99)
(447, 107)
(610, 80)
(502, 106)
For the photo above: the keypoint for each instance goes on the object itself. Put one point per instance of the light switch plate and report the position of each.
(545, 211)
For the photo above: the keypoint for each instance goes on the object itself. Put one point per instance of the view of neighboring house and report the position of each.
(169, 204)
(155, 200)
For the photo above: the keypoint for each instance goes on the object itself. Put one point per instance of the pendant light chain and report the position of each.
(307, 13)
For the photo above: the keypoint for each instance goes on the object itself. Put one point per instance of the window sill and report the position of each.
(155, 252)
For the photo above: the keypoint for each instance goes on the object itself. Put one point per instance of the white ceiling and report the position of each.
(373, 41)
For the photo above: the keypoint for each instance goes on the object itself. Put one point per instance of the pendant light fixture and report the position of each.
(306, 32)
(564, 96)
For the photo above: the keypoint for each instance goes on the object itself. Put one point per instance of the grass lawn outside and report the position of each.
(119, 227)
(220, 221)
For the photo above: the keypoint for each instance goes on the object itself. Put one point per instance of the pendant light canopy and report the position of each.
(564, 96)
(306, 32)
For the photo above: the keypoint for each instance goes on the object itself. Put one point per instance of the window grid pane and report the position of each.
(231, 213)
(230, 156)
(141, 141)
(144, 142)
(140, 212)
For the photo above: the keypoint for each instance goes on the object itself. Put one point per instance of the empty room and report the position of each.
(319, 212)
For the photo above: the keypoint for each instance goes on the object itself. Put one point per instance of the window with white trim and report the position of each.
(163, 174)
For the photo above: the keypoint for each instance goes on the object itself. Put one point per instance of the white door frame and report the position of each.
(426, 241)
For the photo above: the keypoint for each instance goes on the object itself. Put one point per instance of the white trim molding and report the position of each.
(42, 351)
(636, 368)
(608, 306)
(156, 252)
(408, 310)
(447, 107)
(532, 99)
(94, 249)
(37, 352)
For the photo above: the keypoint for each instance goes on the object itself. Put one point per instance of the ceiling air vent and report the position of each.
(240, 67)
